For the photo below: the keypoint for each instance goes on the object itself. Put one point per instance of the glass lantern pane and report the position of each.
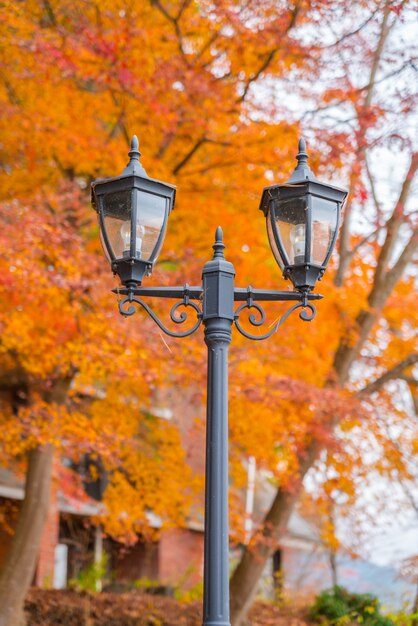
(273, 244)
(151, 211)
(324, 224)
(290, 219)
(117, 220)
(106, 251)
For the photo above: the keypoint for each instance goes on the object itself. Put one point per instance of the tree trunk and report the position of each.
(246, 576)
(17, 573)
(333, 565)
(278, 577)
(244, 581)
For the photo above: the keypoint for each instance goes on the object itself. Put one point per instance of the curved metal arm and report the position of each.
(304, 315)
(126, 307)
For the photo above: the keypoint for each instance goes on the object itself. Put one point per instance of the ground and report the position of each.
(68, 608)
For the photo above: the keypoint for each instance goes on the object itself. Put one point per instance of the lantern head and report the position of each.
(302, 218)
(133, 210)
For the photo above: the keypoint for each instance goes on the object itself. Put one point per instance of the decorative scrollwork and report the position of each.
(127, 308)
(306, 316)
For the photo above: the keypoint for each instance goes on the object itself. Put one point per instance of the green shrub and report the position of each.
(146, 584)
(89, 579)
(192, 594)
(403, 618)
(339, 607)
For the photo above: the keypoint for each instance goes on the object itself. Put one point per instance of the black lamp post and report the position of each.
(302, 222)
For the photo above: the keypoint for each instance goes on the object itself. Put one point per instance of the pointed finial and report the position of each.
(134, 152)
(302, 155)
(219, 246)
(134, 166)
(302, 171)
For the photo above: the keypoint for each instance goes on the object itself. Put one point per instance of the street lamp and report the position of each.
(133, 211)
(302, 219)
(302, 223)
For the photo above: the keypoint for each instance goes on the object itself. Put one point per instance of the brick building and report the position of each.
(70, 542)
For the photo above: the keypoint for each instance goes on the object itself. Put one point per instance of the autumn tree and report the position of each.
(374, 344)
(218, 94)
(66, 381)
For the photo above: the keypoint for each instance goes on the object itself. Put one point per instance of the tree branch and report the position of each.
(393, 275)
(344, 239)
(205, 47)
(410, 380)
(353, 32)
(364, 240)
(392, 231)
(384, 280)
(395, 372)
(50, 15)
(163, 10)
(270, 56)
(182, 9)
(175, 22)
(384, 32)
(199, 143)
(372, 187)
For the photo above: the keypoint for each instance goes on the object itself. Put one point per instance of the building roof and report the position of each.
(11, 486)
(299, 532)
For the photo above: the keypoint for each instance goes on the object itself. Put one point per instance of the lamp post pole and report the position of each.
(302, 219)
(218, 316)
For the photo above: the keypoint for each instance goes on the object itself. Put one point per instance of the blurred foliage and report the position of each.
(339, 607)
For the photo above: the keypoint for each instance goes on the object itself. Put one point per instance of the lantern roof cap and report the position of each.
(134, 167)
(134, 175)
(302, 171)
